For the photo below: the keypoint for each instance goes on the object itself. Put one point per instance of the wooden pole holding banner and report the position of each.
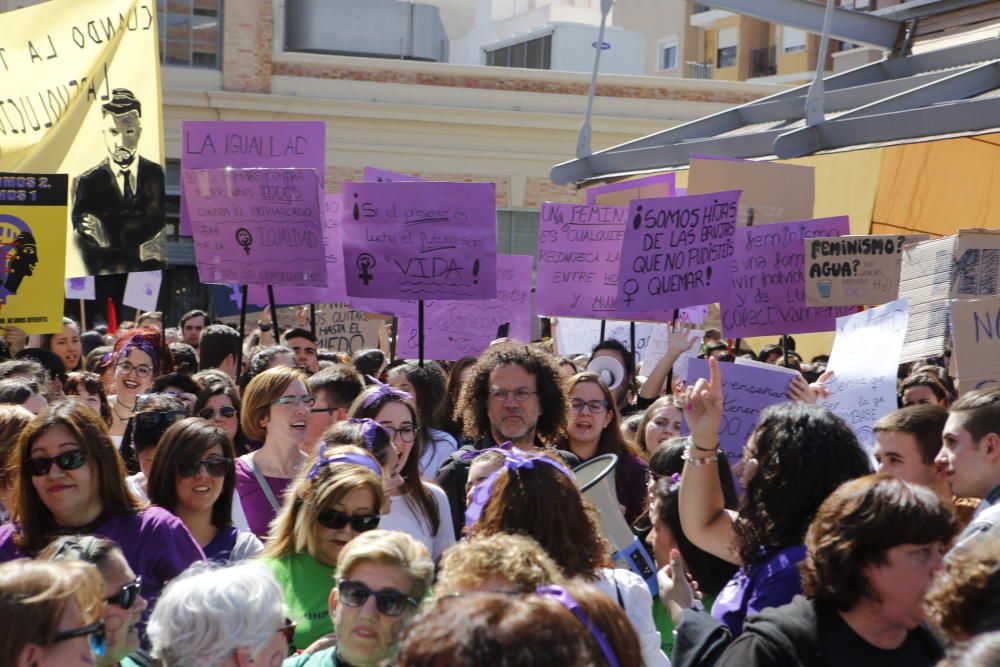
(631, 337)
(274, 314)
(604, 324)
(312, 318)
(750, 213)
(243, 326)
(83, 316)
(670, 373)
(393, 338)
(420, 331)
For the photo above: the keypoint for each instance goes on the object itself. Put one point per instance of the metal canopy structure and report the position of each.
(950, 91)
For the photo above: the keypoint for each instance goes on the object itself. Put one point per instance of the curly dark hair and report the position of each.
(969, 583)
(448, 417)
(471, 407)
(857, 525)
(803, 452)
(544, 503)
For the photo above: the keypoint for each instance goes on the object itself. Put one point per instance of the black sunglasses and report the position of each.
(225, 413)
(388, 601)
(151, 420)
(98, 638)
(215, 467)
(335, 520)
(288, 629)
(127, 595)
(71, 460)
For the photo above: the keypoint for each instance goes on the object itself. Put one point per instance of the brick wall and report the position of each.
(247, 46)
(538, 190)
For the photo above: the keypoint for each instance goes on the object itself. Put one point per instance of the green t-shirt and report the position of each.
(322, 658)
(665, 624)
(307, 584)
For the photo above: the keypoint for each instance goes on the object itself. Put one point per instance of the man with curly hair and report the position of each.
(514, 395)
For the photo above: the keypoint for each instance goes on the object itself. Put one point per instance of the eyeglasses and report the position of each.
(288, 629)
(328, 411)
(361, 523)
(142, 370)
(71, 460)
(151, 420)
(224, 413)
(595, 407)
(521, 395)
(406, 433)
(215, 467)
(295, 401)
(388, 601)
(98, 639)
(128, 594)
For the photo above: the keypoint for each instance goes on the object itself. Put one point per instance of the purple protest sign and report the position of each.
(677, 251)
(454, 329)
(214, 144)
(747, 390)
(257, 226)
(579, 250)
(768, 291)
(420, 240)
(375, 175)
(657, 185)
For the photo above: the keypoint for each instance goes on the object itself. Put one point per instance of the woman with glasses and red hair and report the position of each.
(138, 358)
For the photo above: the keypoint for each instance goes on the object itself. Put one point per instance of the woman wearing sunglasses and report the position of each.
(70, 478)
(138, 357)
(338, 497)
(193, 478)
(122, 595)
(231, 616)
(381, 578)
(154, 415)
(219, 403)
(276, 407)
(51, 614)
(420, 509)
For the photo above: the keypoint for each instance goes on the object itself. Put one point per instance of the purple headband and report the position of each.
(559, 594)
(369, 429)
(356, 459)
(138, 343)
(384, 390)
(473, 453)
(515, 460)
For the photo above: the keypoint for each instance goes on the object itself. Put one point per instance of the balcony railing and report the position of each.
(763, 62)
(698, 70)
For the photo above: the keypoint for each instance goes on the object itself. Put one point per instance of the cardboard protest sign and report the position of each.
(976, 333)
(623, 192)
(925, 282)
(420, 240)
(579, 336)
(454, 329)
(81, 288)
(772, 192)
(657, 347)
(976, 268)
(279, 144)
(341, 329)
(32, 251)
(855, 270)
(257, 226)
(677, 251)
(82, 97)
(142, 290)
(747, 390)
(768, 285)
(864, 362)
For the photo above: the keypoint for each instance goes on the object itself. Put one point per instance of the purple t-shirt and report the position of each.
(221, 546)
(255, 503)
(771, 583)
(156, 544)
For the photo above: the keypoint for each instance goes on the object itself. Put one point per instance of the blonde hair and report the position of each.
(389, 547)
(34, 595)
(517, 558)
(267, 387)
(293, 529)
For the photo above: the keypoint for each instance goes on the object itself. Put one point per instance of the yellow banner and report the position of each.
(32, 251)
(81, 96)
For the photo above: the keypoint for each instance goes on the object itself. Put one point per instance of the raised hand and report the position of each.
(703, 411)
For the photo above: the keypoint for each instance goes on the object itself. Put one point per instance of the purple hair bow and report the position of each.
(369, 429)
(515, 460)
(473, 453)
(356, 459)
(384, 390)
(559, 594)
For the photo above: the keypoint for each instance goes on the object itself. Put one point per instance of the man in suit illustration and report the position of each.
(118, 213)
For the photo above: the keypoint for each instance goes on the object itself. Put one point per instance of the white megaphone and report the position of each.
(609, 370)
(597, 483)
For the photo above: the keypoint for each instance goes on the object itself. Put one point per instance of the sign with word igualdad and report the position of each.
(854, 270)
(81, 96)
(420, 240)
(677, 251)
(257, 226)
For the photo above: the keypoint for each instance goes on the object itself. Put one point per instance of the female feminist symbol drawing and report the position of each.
(631, 287)
(364, 262)
(244, 238)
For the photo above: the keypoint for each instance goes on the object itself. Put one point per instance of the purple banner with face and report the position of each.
(420, 240)
(257, 226)
(579, 253)
(767, 294)
(214, 144)
(454, 329)
(677, 251)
